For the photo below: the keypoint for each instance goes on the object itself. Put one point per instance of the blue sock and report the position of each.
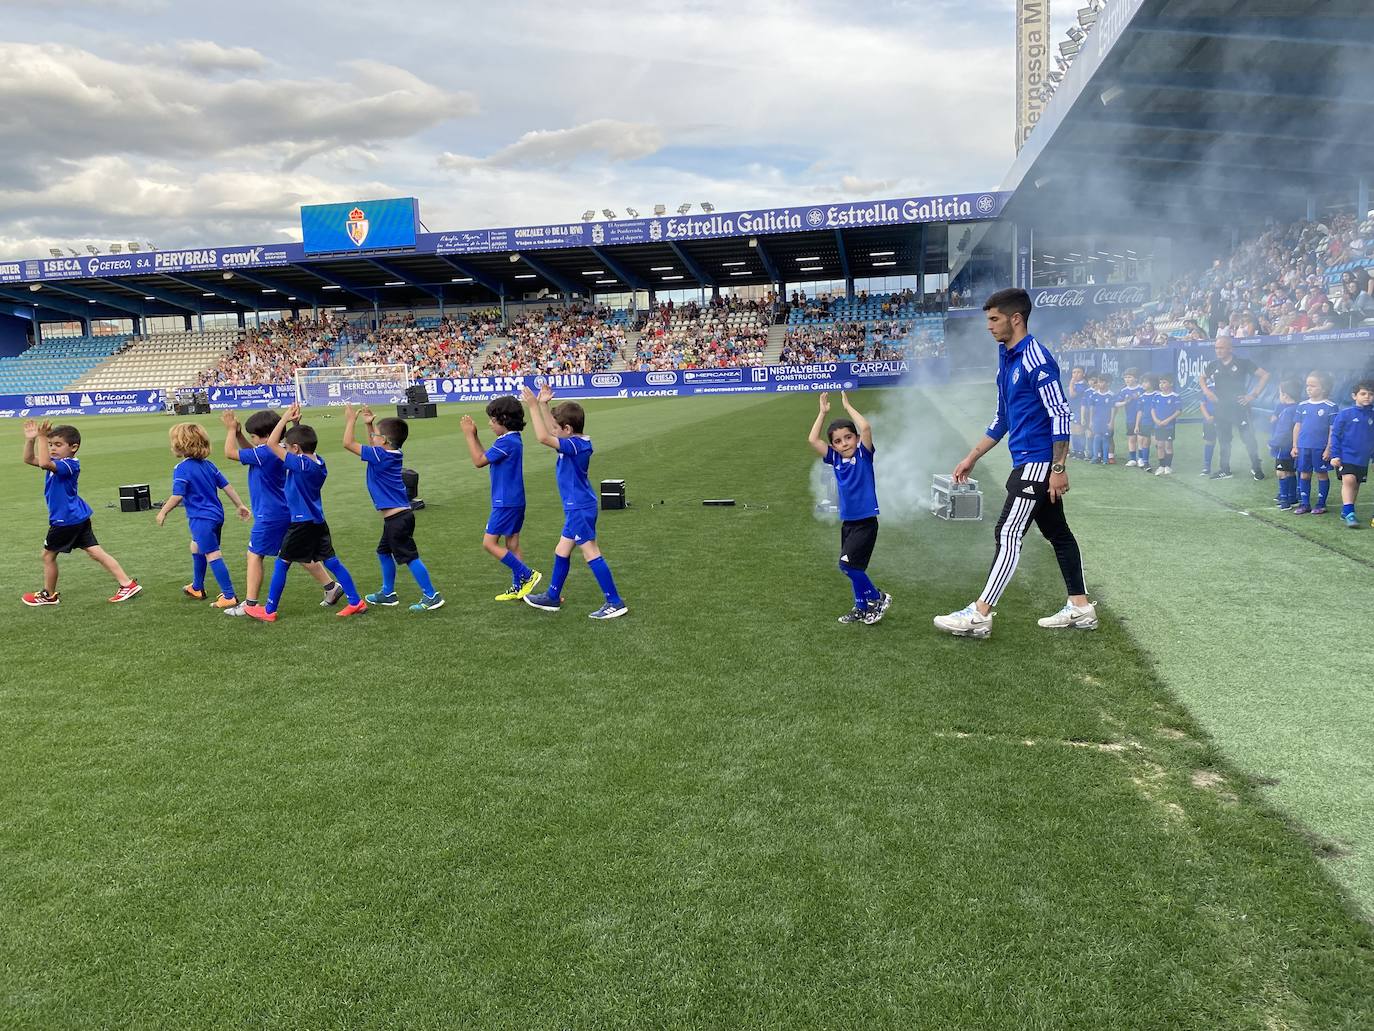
(518, 570)
(1207, 450)
(1347, 510)
(559, 576)
(198, 565)
(1323, 488)
(1292, 482)
(1145, 454)
(388, 565)
(864, 591)
(279, 571)
(1304, 491)
(341, 574)
(421, 573)
(604, 580)
(226, 583)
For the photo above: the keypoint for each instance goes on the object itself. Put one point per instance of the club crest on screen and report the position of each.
(356, 225)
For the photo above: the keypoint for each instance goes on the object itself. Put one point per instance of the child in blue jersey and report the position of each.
(1311, 438)
(1144, 426)
(561, 429)
(848, 449)
(382, 455)
(1281, 444)
(196, 482)
(1078, 418)
(1164, 412)
(308, 538)
(267, 497)
(1128, 397)
(1352, 446)
(1103, 405)
(505, 462)
(1209, 433)
(53, 449)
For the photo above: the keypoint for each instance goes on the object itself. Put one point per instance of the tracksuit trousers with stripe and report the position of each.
(1028, 502)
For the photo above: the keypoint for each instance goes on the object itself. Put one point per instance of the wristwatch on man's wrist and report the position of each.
(1058, 467)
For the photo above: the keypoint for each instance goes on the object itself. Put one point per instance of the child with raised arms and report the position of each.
(267, 496)
(1352, 446)
(383, 458)
(196, 483)
(561, 429)
(505, 463)
(53, 449)
(848, 449)
(308, 539)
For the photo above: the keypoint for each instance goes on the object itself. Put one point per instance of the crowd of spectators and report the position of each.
(711, 336)
(1303, 277)
(557, 340)
(888, 340)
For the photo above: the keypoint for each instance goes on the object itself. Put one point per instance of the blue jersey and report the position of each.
(65, 505)
(384, 481)
(1314, 423)
(198, 481)
(1146, 406)
(1281, 427)
(266, 483)
(1032, 411)
(1077, 392)
(574, 486)
(305, 475)
(1103, 404)
(506, 466)
(854, 476)
(1131, 396)
(1352, 435)
(1163, 406)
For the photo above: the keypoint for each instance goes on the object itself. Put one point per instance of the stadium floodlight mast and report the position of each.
(1070, 47)
(660, 210)
(92, 248)
(56, 252)
(588, 215)
(682, 209)
(707, 206)
(115, 248)
(609, 213)
(133, 246)
(632, 212)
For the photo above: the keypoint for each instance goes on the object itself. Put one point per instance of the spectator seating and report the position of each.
(161, 360)
(692, 337)
(57, 363)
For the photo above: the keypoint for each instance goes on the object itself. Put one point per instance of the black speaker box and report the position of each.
(424, 411)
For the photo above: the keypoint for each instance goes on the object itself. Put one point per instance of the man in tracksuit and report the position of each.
(1033, 414)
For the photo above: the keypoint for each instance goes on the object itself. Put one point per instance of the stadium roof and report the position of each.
(863, 239)
(1216, 112)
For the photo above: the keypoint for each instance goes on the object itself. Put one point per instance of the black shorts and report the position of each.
(1284, 465)
(307, 542)
(1163, 432)
(62, 539)
(1209, 432)
(857, 538)
(398, 538)
(1357, 471)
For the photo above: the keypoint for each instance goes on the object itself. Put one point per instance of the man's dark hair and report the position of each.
(304, 437)
(68, 433)
(261, 424)
(394, 430)
(840, 424)
(508, 412)
(1011, 301)
(570, 414)
(1291, 387)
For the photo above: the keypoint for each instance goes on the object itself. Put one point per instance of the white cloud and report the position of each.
(613, 140)
(205, 55)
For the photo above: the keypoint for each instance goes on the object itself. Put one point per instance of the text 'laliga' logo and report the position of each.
(357, 226)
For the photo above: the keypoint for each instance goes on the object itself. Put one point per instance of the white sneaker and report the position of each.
(1163, 470)
(967, 622)
(1132, 464)
(1073, 617)
(1168, 470)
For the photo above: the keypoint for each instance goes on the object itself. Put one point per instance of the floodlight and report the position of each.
(115, 248)
(660, 209)
(707, 207)
(588, 215)
(514, 258)
(133, 246)
(1075, 33)
(1070, 47)
(1055, 77)
(632, 212)
(227, 275)
(56, 252)
(73, 252)
(608, 213)
(92, 248)
(1087, 17)
(682, 209)
(1110, 93)
(150, 246)
(35, 287)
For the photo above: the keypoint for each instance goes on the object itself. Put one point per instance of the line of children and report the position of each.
(53, 449)
(196, 483)
(848, 449)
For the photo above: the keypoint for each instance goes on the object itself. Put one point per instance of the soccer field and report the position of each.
(723, 810)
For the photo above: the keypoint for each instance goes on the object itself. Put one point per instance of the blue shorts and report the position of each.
(205, 535)
(1310, 460)
(267, 535)
(505, 522)
(1278, 451)
(579, 525)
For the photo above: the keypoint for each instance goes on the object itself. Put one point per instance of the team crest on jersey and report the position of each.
(1016, 374)
(356, 226)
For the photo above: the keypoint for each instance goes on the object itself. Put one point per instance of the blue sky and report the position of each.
(194, 123)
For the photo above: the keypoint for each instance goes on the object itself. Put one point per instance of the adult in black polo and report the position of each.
(1226, 383)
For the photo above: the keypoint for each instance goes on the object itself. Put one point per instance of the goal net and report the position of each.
(352, 384)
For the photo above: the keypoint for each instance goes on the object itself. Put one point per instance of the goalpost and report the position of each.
(337, 385)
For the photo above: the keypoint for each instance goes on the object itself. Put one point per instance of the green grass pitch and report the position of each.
(724, 810)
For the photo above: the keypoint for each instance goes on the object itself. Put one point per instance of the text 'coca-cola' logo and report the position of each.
(1103, 295)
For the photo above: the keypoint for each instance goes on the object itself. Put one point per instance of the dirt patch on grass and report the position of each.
(1205, 780)
(1172, 733)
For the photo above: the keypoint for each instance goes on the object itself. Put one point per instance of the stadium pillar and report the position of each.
(200, 322)
(85, 327)
(715, 291)
(138, 326)
(849, 288)
(243, 320)
(921, 261)
(186, 321)
(376, 314)
(1362, 198)
(37, 328)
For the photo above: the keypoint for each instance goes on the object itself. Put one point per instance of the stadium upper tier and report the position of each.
(55, 363)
